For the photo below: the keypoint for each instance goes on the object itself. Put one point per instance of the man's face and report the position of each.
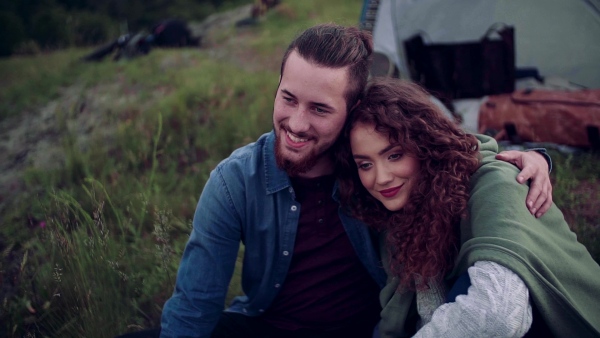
(308, 116)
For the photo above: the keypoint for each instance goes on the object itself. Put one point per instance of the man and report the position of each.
(309, 269)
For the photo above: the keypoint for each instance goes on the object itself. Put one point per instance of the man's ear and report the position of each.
(355, 105)
(279, 84)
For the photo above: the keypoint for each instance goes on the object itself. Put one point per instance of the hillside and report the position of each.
(33, 137)
(101, 166)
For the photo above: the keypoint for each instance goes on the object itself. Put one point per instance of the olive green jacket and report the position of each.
(562, 278)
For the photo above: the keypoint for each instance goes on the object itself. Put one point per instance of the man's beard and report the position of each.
(295, 168)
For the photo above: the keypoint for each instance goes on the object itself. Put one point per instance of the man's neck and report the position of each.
(323, 167)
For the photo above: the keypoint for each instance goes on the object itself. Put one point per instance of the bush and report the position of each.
(50, 28)
(12, 32)
(27, 47)
(92, 29)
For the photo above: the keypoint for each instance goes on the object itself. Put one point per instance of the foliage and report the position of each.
(53, 24)
(12, 32)
(49, 28)
(91, 247)
(576, 183)
(26, 82)
(150, 167)
(91, 29)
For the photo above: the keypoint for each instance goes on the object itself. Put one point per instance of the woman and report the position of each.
(452, 215)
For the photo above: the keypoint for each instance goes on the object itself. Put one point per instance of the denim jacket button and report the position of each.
(261, 310)
(294, 208)
(245, 311)
(291, 190)
(285, 253)
(277, 285)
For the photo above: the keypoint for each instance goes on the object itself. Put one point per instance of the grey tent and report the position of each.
(559, 38)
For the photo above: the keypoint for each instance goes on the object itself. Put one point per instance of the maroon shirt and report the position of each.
(326, 286)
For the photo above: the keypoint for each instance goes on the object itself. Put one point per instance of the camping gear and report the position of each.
(172, 33)
(167, 33)
(552, 39)
(465, 69)
(126, 45)
(559, 38)
(563, 117)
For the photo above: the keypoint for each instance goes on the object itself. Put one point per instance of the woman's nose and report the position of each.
(383, 175)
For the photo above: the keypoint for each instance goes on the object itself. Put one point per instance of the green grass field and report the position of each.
(99, 206)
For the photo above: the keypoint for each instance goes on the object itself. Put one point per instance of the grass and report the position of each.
(91, 244)
(27, 82)
(576, 183)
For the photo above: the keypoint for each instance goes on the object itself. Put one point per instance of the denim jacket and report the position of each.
(249, 199)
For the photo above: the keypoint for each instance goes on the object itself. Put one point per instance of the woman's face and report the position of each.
(384, 170)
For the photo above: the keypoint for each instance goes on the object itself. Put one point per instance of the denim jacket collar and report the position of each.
(277, 179)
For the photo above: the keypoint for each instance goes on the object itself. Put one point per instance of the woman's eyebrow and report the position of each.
(381, 152)
(360, 157)
(386, 149)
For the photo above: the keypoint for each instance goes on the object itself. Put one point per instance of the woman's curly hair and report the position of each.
(422, 236)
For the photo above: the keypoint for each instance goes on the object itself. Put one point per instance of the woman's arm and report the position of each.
(497, 305)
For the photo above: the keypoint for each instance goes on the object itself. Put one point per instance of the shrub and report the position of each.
(92, 29)
(12, 32)
(27, 47)
(50, 28)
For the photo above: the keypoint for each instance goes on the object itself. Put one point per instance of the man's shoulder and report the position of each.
(247, 157)
(254, 167)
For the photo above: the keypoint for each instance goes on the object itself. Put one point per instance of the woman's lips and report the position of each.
(391, 192)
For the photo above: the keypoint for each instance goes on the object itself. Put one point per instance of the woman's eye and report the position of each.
(395, 156)
(364, 166)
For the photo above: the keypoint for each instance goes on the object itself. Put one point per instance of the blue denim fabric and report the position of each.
(249, 199)
(543, 152)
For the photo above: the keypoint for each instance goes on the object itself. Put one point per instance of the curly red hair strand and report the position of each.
(422, 237)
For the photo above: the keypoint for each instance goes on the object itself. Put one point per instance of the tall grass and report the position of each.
(576, 183)
(91, 247)
(29, 81)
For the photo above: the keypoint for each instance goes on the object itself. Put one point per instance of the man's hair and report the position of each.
(335, 46)
(422, 236)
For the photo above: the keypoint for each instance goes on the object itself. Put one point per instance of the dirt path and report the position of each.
(31, 139)
(34, 139)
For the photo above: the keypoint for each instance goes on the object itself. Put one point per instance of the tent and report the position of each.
(559, 38)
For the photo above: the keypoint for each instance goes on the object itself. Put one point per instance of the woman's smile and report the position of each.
(391, 192)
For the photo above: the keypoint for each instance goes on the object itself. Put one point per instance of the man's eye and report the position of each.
(320, 110)
(287, 99)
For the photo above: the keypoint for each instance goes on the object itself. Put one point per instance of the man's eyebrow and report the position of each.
(287, 92)
(322, 105)
(317, 104)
